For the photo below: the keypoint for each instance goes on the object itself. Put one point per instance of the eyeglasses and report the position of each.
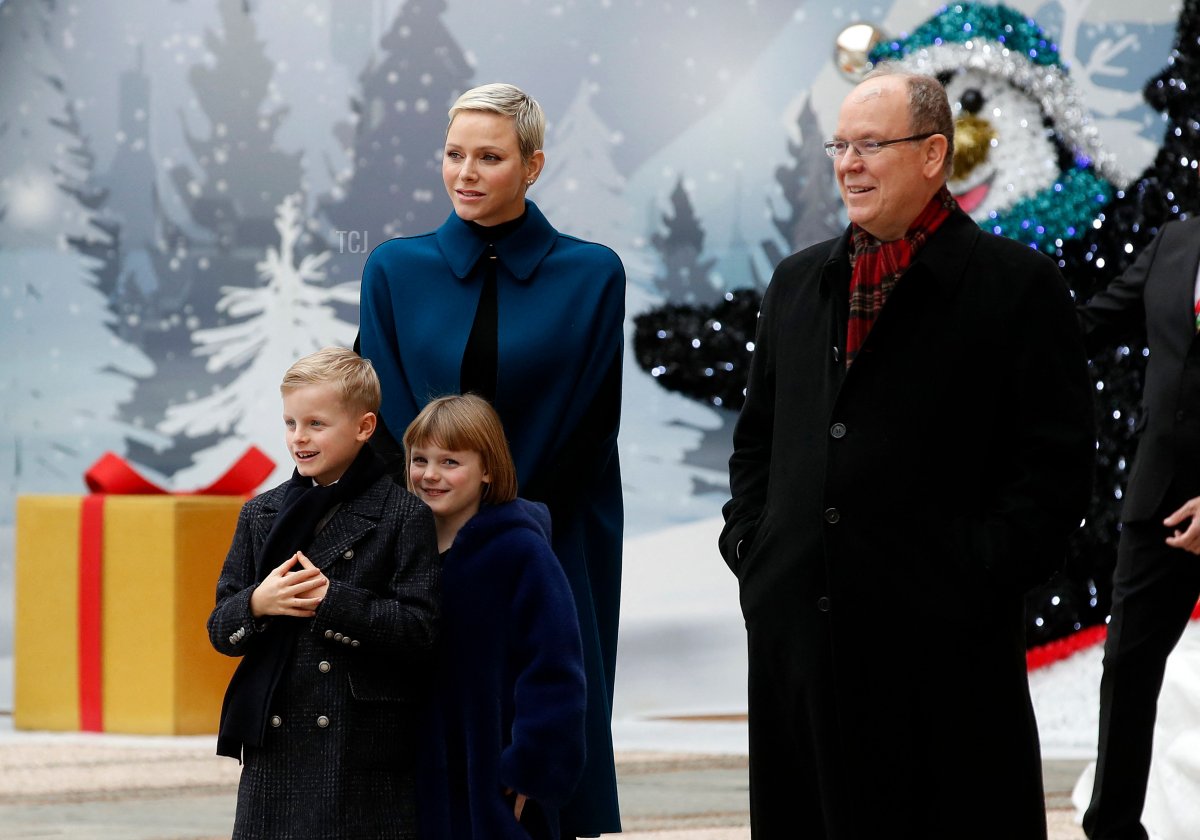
(865, 148)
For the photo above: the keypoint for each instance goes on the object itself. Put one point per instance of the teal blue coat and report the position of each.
(561, 305)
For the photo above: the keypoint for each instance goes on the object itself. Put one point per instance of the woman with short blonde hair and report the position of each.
(498, 302)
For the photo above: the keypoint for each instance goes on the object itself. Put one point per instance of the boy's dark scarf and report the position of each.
(244, 712)
(877, 267)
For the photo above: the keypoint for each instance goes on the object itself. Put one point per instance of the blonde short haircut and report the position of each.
(509, 100)
(352, 376)
(466, 423)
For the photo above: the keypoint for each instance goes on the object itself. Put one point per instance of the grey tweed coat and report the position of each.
(336, 761)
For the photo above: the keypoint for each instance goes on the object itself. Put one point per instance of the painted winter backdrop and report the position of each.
(188, 192)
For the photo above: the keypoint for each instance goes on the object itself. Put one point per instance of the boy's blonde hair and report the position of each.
(509, 100)
(352, 376)
(466, 423)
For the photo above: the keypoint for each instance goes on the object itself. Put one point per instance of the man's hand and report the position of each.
(1188, 539)
(284, 592)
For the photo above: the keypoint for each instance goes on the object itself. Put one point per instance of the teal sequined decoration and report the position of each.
(964, 21)
(1065, 210)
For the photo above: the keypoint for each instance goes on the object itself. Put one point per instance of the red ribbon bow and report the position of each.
(112, 474)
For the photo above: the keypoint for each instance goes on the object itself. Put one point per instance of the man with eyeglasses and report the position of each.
(915, 448)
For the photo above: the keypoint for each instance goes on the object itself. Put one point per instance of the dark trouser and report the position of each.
(1155, 588)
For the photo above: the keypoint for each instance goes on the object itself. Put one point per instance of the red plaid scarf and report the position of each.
(877, 266)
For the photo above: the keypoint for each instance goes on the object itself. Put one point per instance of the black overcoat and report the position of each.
(337, 762)
(883, 525)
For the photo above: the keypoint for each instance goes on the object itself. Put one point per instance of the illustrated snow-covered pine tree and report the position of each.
(678, 340)
(685, 277)
(65, 370)
(581, 191)
(292, 313)
(241, 174)
(229, 192)
(812, 212)
(100, 243)
(353, 31)
(394, 184)
(133, 201)
(34, 210)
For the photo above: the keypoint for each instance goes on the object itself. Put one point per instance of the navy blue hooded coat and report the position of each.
(561, 305)
(508, 702)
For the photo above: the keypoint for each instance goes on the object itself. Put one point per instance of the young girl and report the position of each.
(506, 735)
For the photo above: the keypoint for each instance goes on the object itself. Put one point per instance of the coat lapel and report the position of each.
(946, 264)
(935, 271)
(348, 525)
(261, 526)
(1184, 260)
(834, 289)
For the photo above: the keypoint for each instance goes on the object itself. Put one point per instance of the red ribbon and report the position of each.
(91, 553)
(113, 474)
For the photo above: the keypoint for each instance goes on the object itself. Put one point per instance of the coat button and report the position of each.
(823, 603)
(328, 634)
(346, 640)
(838, 430)
(348, 554)
(337, 637)
(354, 643)
(1181, 415)
(324, 667)
(276, 720)
(233, 640)
(322, 721)
(832, 515)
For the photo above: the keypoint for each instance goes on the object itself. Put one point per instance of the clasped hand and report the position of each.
(286, 592)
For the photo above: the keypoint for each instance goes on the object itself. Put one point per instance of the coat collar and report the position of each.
(494, 519)
(369, 503)
(1180, 260)
(521, 252)
(348, 523)
(835, 273)
(943, 259)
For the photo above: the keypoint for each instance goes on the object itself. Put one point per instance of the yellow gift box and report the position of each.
(158, 566)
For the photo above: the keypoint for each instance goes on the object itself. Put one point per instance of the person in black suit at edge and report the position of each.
(1157, 579)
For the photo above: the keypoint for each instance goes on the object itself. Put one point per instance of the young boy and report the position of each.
(329, 593)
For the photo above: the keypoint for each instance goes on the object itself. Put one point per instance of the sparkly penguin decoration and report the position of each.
(1031, 169)
(1028, 162)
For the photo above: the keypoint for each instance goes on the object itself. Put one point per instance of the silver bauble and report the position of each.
(852, 49)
